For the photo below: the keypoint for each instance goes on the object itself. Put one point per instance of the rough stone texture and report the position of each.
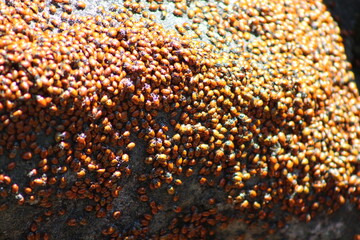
(15, 221)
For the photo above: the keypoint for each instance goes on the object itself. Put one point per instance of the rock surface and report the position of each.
(200, 164)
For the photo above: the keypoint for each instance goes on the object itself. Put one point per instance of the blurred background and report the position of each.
(347, 15)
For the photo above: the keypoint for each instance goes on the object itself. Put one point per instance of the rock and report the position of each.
(186, 120)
